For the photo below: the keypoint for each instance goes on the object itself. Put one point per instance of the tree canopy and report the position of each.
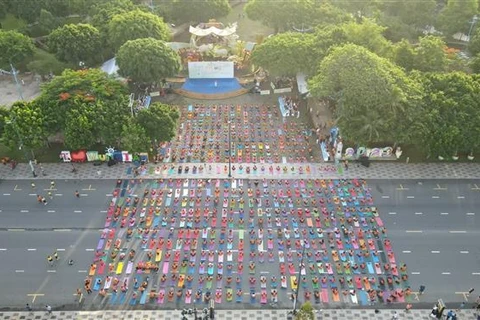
(147, 60)
(136, 24)
(457, 15)
(14, 48)
(159, 121)
(286, 53)
(98, 101)
(428, 55)
(281, 15)
(368, 34)
(411, 12)
(198, 11)
(134, 137)
(75, 43)
(370, 93)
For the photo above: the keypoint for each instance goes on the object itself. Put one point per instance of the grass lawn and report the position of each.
(10, 22)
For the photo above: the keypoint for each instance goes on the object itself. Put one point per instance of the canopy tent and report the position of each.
(228, 31)
(110, 66)
(302, 83)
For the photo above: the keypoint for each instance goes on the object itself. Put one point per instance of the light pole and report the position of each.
(229, 147)
(298, 279)
(472, 24)
(21, 146)
(19, 88)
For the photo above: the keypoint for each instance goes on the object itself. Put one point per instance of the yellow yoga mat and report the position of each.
(119, 268)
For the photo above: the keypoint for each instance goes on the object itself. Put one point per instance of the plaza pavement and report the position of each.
(377, 170)
(331, 314)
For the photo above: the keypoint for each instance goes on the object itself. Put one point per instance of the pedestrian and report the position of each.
(44, 201)
(50, 260)
(28, 308)
(77, 194)
(50, 195)
(70, 262)
(39, 198)
(33, 185)
(49, 309)
(52, 184)
(55, 255)
(421, 290)
(345, 164)
(470, 291)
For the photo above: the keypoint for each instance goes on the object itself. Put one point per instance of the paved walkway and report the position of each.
(333, 314)
(377, 170)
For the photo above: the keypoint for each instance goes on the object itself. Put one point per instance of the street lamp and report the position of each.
(472, 24)
(19, 88)
(298, 278)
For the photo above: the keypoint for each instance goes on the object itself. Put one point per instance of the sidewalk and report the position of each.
(333, 314)
(377, 170)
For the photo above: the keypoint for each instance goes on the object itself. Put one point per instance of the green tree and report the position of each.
(475, 64)
(474, 44)
(134, 138)
(159, 121)
(25, 121)
(360, 83)
(281, 15)
(103, 11)
(404, 55)
(44, 63)
(46, 21)
(135, 25)
(306, 312)
(286, 53)
(431, 55)
(74, 90)
(198, 11)
(326, 14)
(369, 35)
(4, 112)
(448, 118)
(358, 8)
(14, 48)
(26, 9)
(456, 16)
(79, 129)
(411, 12)
(75, 43)
(147, 60)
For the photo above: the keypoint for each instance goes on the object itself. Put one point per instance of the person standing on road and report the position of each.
(52, 184)
(77, 194)
(50, 260)
(49, 309)
(55, 255)
(33, 185)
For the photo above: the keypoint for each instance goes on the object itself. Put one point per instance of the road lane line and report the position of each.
(470, 213)
(476, 273)
(406, 251)
(446, 273)
(435, 251)
(464, 251)
(435, 197)
(413, 231)
(3, 249)
(6, 194)
(444, 213)
(60, 249)
(51, 211)
(16, 229)
(62, 230)
(83, 195)
(418, 213)
(109, 195)
(77, 211)
(89, 249)
(23, 211)
(19, 271)
(392, 213)
(415, 272)
(51, 271)
(103, 211)
(31, 249)
(385, 197)
(32, 194)
(82, 271)
(410, 197)
(460, 197)
(457, 231)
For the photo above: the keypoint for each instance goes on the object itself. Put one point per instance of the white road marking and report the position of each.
(82, 271)
(444, 213)
(392, 213)
(51, 211)
(435, 251)
(413, 231)
(415, 272)
(410, 197)
(460, 197)
(59, 194)
(458, 231)
(31, 249)
(445, 273)
(476, 273)
(406, 251)
(19, 271)
(83, 195)
(24, 211)
(464, 251)
(470, 213)
(32, 194)
(6, 194)
(3, 249)
(62, 230)
(385, 197)
(109, 195)
(16, 229)
(51, 271)
(103, 211)
(60, 249)
(89, 249)
(435, 197)
(418, 213)
(77, 211)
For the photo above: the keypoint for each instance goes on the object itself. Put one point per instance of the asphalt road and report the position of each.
(433, 226)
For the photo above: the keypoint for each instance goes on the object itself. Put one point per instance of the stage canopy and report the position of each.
(199, 32)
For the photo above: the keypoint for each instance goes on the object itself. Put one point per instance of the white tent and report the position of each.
(199, 32)
(302, 83)
(110, 66)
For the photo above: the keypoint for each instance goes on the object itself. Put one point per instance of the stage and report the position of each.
(211, 88)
